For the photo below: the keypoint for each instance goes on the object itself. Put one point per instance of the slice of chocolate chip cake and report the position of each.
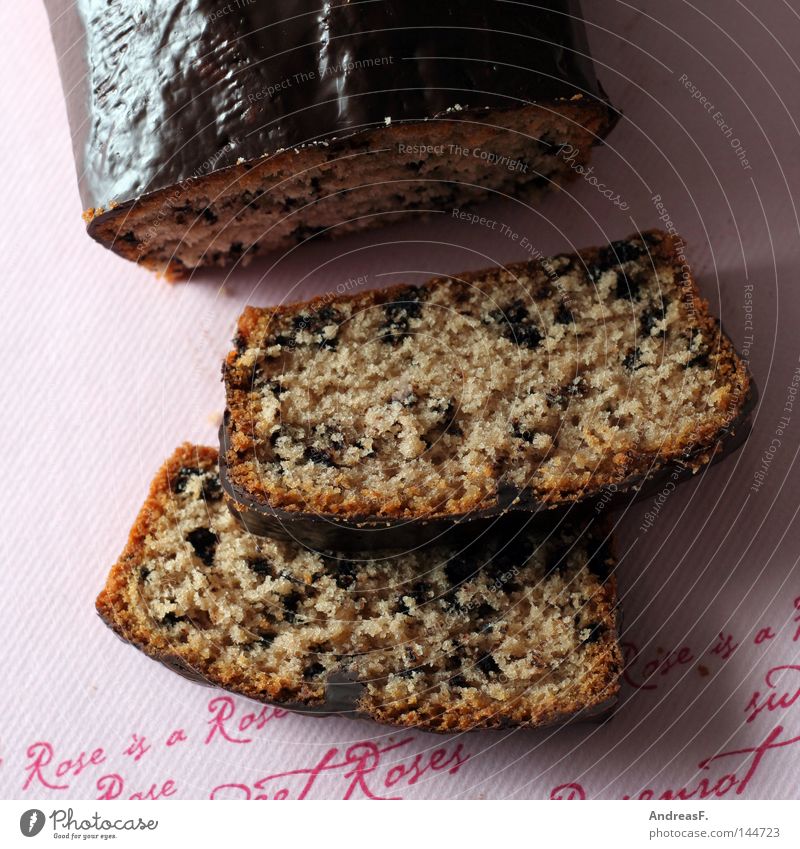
(519, 629)
(525, 387)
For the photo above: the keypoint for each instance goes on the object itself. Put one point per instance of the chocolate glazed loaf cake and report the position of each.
(216, 131)
(381, 419)
(518, 631)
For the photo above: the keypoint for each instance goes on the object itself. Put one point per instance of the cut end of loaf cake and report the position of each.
(544, 381)
(351, 184)
(513, 631)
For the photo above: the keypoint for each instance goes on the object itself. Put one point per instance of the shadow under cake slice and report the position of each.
(512, 631)
(525, 387)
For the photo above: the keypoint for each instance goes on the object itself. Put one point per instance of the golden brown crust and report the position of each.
(629, 466)
(111, 603)
(117, 600)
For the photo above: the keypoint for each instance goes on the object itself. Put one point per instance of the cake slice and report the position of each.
(518, 629)
(527, 387)
(202, 137)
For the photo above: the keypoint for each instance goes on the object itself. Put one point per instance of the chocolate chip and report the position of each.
(447, 409)
(699, 347)
(359, 443)
(204, 543)
(407, 305)
(265, 640)
(345, 574)
(209, 215)
(313, 670)
(525, 335)
(260, 565)
(285, 341)
(212, 489)
(170, 620)
(454, 660)
(488, 665)
(319, 456)
(144, 574)
(329, 344)
(649, 319)
(632, 362)
(596, 271)
(623, 251)
(458, 681)
(516, 313)
(564, 314)
(290, 604)
(518, 327)
(276, 388)
(700, 359)
(617, 253)
(628, 287)
(525, 434)
(485, 611)
(183, 476)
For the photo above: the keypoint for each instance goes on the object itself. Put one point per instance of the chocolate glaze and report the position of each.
(159, 94)
(371, 533)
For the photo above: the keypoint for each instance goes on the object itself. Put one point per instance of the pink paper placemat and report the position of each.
(106, 369)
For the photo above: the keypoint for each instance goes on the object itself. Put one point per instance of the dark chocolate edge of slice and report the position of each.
(344, 704)
(374, 533)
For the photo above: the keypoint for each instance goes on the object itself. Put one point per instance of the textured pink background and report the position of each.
(106, 369)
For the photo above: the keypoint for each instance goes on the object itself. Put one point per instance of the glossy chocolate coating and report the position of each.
(370, 533)
(160, 93)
